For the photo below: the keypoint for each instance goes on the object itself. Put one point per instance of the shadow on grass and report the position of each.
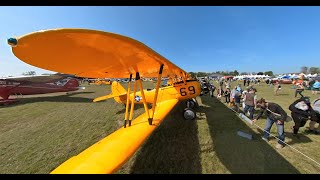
(301, 138)
(282, 94)
(136, 107)
(60, 98)
(172, 148)
(240, 155)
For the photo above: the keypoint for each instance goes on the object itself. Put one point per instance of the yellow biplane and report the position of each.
(101, 82)
(98, 54)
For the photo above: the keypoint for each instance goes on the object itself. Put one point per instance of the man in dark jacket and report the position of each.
(275, 114)
(301, 112)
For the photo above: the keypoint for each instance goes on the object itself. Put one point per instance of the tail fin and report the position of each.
(118, 93)
(71, 83)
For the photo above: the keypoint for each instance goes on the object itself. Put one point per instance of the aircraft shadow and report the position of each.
(60, 98)
(282, 94)
(136, 107)
(238, 154)
(296, 140)
(172, 149)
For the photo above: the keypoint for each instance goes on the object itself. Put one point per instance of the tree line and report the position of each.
(228, 73)
(303, 69)
(310, 70)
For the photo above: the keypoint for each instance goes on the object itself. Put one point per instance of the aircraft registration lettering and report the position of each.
(191, 90)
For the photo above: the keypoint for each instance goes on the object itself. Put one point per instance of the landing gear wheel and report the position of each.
(189, 114)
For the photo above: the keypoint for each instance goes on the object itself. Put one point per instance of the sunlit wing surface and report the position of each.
(91, 53)
(105, 97)
(107, 155)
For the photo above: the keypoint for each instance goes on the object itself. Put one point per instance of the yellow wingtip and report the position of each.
(102, 98)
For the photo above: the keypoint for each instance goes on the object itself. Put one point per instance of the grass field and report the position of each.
(40, 132)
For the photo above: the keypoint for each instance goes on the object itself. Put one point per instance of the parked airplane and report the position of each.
(28, 85)
(99, 54)
(101, 82)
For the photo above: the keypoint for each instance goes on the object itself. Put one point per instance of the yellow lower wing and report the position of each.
(102, 98)
(110, 153)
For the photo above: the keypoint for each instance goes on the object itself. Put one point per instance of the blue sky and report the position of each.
(200, 38)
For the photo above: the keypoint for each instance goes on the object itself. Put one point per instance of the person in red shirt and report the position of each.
(300, 88)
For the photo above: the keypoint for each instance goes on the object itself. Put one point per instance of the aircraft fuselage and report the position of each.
(8, 88)
(179, 91)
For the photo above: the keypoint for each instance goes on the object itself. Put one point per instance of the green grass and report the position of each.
(40, 132)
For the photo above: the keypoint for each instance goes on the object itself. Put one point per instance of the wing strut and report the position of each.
(137, 81)
(132, 100)
(156, 94)
(184, 79)
(128, 100)
(142, 94)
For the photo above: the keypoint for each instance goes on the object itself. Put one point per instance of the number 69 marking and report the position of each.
(190, 88)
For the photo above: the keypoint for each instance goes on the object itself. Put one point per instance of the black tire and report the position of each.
(189, 114)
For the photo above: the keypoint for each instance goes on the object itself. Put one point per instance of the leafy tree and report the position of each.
(201, 74)
(314, 70)
(235, 73)
(29, 73)
(269, 73)
(304, 69)
(244, 73)
(192, 74)
(260, 73)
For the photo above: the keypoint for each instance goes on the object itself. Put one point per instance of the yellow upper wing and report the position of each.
(91, 53)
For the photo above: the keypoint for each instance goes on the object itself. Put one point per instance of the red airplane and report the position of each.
(28, 85)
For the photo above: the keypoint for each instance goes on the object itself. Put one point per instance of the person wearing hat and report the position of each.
(301, 112)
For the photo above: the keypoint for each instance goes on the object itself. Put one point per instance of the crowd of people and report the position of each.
(245, 101)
